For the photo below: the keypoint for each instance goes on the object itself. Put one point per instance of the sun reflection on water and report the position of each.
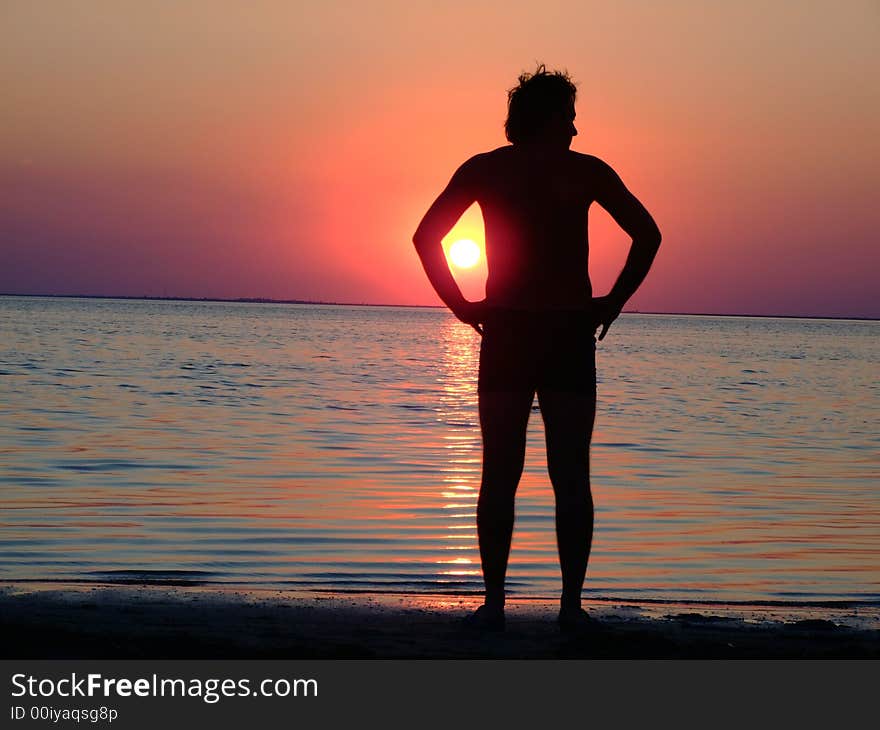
(461, 441)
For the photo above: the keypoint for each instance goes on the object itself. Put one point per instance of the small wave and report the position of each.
(155, 577)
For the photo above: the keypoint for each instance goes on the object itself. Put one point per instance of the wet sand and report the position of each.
(70, 621)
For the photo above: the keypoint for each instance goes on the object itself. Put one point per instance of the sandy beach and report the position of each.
(75, 621)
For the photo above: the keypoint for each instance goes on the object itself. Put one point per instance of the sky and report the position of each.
(288, 150)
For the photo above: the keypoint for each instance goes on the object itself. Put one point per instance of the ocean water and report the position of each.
(324, 447)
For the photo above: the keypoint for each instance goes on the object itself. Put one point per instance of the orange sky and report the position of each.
(274, 149)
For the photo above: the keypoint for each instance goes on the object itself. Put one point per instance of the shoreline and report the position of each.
(106, 621)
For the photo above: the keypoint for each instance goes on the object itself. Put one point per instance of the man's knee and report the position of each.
(501, 471)
(495, 510)
(569, 468)
(572, 491)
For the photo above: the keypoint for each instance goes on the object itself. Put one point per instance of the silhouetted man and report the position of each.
(539, 318)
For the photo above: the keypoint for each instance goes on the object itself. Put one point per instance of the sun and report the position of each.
(464, 253)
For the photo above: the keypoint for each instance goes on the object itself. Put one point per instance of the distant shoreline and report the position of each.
(312, 302)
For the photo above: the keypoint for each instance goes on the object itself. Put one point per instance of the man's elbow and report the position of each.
(422, 240)
(649, 238)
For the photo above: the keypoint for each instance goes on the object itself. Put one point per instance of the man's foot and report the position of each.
(576, 621)
(485, 619)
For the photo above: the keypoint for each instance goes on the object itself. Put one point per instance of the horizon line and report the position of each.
(319, 302)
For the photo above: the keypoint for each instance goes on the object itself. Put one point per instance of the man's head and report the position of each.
(541, 108)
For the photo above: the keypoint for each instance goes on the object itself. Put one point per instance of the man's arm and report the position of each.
(455, 199)
(635, 220)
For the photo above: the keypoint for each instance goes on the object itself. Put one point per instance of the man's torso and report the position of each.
(535, 214)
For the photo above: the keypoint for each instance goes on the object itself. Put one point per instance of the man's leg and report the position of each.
(568, 426)
(503, 420)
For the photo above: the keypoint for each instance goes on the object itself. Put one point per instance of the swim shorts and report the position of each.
(525, 350)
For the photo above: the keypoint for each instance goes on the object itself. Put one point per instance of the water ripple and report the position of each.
(338, 448)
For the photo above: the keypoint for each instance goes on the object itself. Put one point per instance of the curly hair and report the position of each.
(534, 100)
